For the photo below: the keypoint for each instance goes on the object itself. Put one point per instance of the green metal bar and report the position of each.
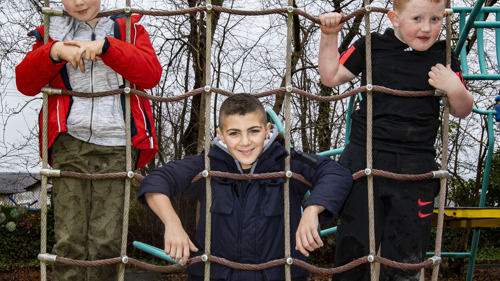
(485, 112)
(480, 46)
(465, 32)
(469, 9)
(157, 252)
(497, 39)
(473, 251)
(450, 255)
(463, 51)
(348, 118)
(464, 28)
(274, 118)
(328, 231)
(482, 200)
(479, 76)
(486, 24)
(331, 152)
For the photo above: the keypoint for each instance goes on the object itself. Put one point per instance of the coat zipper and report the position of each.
(91, 90)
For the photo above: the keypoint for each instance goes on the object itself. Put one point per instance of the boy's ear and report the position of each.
(268, 129)
(221, 137)
(393, 17)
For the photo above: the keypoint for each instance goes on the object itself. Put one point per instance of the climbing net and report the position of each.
(206, 93)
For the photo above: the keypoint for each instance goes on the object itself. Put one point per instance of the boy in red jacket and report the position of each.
(87, 135)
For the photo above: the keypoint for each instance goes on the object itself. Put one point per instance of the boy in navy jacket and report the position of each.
(247, 215)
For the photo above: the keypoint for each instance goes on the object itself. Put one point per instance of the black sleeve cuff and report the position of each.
(105, 47)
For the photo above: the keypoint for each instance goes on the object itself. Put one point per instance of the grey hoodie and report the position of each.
(94, 120)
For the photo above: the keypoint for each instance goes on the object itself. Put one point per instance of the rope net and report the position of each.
(206, 91)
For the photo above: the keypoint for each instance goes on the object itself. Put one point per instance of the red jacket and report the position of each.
(137, 63)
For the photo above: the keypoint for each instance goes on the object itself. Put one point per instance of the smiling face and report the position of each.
(418, 23)
(244, 136)
(84, 10)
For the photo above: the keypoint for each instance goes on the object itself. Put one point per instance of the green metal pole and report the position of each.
(468, 26)
(482, 200)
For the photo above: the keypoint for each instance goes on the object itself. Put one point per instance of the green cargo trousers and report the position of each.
(88, 213)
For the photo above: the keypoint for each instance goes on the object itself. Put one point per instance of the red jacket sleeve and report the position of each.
(37, 69)
(137, 63)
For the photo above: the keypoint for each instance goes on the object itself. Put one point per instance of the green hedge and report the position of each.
(20, 246)
(20, 236)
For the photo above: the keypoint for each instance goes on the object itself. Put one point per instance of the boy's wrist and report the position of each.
(53, 54)
(317, 209)
(330, 35)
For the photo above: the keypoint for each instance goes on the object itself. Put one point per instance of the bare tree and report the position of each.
(248, 55)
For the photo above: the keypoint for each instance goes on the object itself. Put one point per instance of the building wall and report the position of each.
(25, 198)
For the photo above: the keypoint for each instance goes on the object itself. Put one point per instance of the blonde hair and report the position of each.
(399, 5)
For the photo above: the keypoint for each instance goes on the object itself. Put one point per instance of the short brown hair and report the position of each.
(241, 104)
(399, 5)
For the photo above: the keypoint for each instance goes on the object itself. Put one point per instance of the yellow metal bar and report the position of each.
(470, 217)
(471, 213)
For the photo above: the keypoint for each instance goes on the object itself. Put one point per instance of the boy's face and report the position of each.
(244, 136)
(84, 10)
(419, 23)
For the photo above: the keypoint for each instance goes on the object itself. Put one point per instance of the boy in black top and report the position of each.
(404, 132)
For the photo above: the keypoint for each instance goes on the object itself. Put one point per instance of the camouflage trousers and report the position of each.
(88, 213)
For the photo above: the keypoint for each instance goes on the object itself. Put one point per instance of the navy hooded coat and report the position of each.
(247, 215)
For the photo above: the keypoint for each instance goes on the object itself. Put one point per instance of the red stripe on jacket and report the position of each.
(345, 55)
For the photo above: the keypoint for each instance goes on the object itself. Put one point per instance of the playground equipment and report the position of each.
(206, 92)
(27, 207)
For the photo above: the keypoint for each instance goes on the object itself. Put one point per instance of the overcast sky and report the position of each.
(13, 134)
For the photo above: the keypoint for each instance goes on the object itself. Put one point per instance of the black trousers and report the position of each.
(403, 214)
